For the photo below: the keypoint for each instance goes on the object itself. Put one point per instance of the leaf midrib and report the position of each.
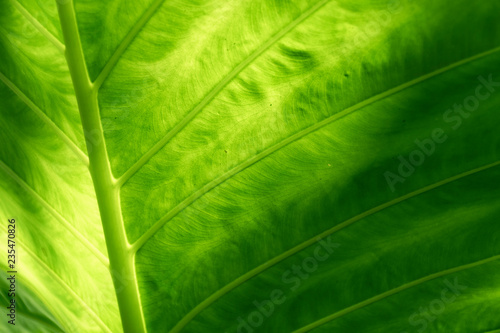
(288, 140)
(121, 259)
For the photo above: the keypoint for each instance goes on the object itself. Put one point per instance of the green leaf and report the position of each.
(251, 166)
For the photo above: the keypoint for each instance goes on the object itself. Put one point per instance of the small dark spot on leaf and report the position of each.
(346, 74)
(225, 151)
(270, 105)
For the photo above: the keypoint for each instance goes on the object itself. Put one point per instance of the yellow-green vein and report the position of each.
(121, 260)
(216, 90)
(55, 214)
(235, 283)
(38, 25)
(42, 298)
(81, 155)
(66, 287)
(126, 42)
(392, 292)
(193, 197)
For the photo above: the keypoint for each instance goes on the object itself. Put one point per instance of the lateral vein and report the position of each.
(55, 214)
(39, 320)
(392, 292)
(211, 185)
(81, 155)
(43, 299)
(126, 42)
(215, 91)
(38, 25)
(56, 277)
(235, 283)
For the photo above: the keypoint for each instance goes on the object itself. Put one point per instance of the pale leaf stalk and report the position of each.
(121, 258)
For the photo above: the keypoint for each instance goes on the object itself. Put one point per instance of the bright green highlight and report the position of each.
(171, 164)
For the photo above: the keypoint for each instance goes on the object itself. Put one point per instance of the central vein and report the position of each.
(121, 258)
